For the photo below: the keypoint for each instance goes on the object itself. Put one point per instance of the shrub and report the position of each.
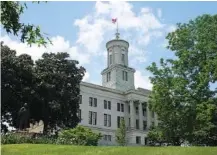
(15, 138)
(121, 133)
(79, 136)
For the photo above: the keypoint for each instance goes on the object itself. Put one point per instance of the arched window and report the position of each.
(110, 59)
(122, 57)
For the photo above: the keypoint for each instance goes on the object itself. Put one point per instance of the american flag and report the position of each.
(114, 20)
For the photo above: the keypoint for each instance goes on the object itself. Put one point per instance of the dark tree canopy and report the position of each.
(16, 82)
(51, 88)
(181, 96)
(59, 89)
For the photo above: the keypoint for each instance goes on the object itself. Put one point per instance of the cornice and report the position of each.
(118, 66)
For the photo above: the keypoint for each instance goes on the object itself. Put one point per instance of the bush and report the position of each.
(15, 138)
(79, 136)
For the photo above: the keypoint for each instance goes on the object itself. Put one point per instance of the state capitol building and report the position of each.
(103, 107)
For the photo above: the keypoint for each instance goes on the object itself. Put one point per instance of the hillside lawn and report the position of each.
(44, 149)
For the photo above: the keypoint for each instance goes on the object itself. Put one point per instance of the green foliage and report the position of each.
(10, 19)
(121, 133)
(13, 138)
(51, 87)
(17, 83)
(181, 95)
(155, 135)
(79, 136)
(59, 88)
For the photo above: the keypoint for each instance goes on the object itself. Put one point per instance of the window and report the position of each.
(119, 118)
(109, 105)
(137, 124)
(152, 124)
(138, 140)
(122, 107)
(107, 137)
(108, 77)
(91, 101)
(105, 104)
(79, 114)
(118, 107)
(118, 121)
(95, 102)
(129, 109)
(144, 112)
(122, 58)
(80, 99)
(107, 120)
(92, 118)
(110, 59)
(144, 125)
(137, 110)
(124, 74)
(145, 141)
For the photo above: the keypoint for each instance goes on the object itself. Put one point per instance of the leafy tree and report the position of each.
(58, 86)
(155, 135)
(17, 81)
(10, 20)
(121, 133)
(51, 87)
(181, 96)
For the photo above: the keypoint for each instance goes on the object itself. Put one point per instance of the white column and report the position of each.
(132, 114)
(140, 116)
(148, 117)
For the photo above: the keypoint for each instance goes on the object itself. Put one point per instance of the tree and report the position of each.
(121, 133)
(10, 19)
(17, 81)
(58, 86)
(181, 96)
(155, 135)
(51, 87)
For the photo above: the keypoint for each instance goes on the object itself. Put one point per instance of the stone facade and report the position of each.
(102, 107)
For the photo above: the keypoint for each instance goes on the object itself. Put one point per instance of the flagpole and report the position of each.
(117, 26)
(117, 34)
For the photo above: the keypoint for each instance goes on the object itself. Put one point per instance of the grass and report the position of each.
(40, 149)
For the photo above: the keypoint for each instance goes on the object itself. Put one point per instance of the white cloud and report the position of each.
(96, 28)
(59, 45)
(142, 81)
(86, 77)
(171, 28)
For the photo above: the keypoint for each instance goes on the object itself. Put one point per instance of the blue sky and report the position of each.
(83, 28)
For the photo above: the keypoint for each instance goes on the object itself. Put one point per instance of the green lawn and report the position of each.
(40, 149)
